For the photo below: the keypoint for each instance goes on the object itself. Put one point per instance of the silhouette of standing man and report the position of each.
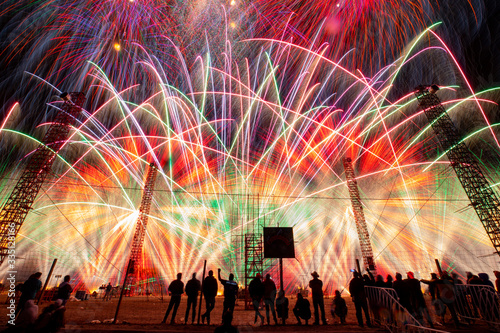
(65, 289)
(256, 291)
(192, 289)
(230, 293)
(210, 291)
(176, 289)
(270, 297)
(357, 291)
(316, 286)
(107, 295)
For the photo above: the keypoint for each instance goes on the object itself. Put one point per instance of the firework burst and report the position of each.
(242, 139)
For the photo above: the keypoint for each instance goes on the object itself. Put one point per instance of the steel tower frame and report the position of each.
(359, 215)
(476, 186)
(142, 220)
(23, 195)
(254, 260)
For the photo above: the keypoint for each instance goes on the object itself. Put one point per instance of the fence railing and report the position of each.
(472, 303)
(389, 313)
(478, 302)
(420, 329)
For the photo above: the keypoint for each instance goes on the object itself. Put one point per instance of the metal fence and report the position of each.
(390, 314)
(478, 302)
(473, 304)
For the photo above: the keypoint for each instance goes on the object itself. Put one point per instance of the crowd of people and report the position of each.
(443, 290)
(446, 295)
(263, 294)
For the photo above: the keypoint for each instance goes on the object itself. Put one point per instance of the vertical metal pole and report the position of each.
(46, 282)
(357, 265)
(281, 275)
(438, 266)
(282, 284)
(123, 290)
(201, 292)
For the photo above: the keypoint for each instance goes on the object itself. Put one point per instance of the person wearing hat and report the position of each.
(256, 291)
(316, 286)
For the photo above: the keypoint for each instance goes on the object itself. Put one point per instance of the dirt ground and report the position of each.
(140, 313)
(143, 314)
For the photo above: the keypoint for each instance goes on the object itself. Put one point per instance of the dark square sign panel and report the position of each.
(278, 243)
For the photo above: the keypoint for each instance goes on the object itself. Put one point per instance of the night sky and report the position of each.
(476, 38)
(470, 28)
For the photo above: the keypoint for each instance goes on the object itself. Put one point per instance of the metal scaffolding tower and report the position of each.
(254, 259)
(359, 216)
(142, 220)
(19, 203)
(477, 188)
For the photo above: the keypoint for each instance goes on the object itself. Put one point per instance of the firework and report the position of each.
(245, 135)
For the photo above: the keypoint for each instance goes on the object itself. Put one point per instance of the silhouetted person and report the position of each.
(269, 298)
(282, 305)
(376, 306)
(497, 281)
(192, 288)
(388, 281)
(367, 280)
(403, 291)
(486, 280)
(379, 281)
(432, 285)
(474, 292)
(230, 293)
(30, 288)
(107, 294)
(468, 277)
(446, 293)
(209, 291)
(463, 307)
(176, 289)
(339, 307)
(417, 299)
(357, 291)
(226, 327)
(256, 291)
(491, 311)
(64, 291)
(316, 286)
(456, 279)
(302, 309)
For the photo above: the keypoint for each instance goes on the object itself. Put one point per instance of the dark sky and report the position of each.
(475, 38)
(470, 27)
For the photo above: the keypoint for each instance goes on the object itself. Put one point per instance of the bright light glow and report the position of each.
(247, 116)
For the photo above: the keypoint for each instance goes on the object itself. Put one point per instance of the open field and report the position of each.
(139, 314)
